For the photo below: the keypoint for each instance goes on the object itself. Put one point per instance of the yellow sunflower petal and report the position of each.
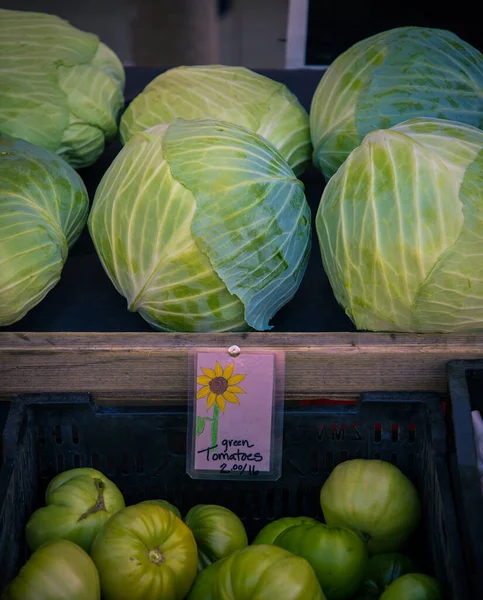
(221, 403)
(204, 380)
(236, 379)
(236, 389)
(211, 400)
(228, 372)
(231, 397)
(209, 373)
(203, 392)
(218, 370)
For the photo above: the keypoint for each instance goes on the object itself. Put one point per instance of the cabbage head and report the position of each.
(43, 209)
(394, 76)
(232, 94)
(202, 226)
(400, 227)
(60, 88)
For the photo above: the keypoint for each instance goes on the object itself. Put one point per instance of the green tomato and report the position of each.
(79, 502)
(414, 586)
(260, 572)
(164, 504)
(204, 582)
(381, 571)
(270, 532)
(218, 532)
(373, 498)
(59, 570)
(337, 555)
(145, 552)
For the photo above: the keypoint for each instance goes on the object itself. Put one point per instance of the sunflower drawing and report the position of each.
(218, 386)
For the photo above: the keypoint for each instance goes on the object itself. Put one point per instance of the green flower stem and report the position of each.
(214, 426)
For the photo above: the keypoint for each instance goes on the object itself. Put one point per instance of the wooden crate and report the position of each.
(152, 367)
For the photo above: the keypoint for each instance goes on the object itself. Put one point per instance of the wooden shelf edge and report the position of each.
(152, 367)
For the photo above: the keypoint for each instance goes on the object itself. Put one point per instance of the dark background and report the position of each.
(335, 26)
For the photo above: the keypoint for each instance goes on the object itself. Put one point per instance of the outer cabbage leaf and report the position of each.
(202, 226)
(399, 228)
(233, 94)
(43, 209)
(391, 77)
(60, 88)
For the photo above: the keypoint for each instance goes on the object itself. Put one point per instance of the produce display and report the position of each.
(60, 88)
(202, 226)
(149, 551)
(43, 209)
(263, 572)
(79, 502)
(145, 551)
(393, 76)
(338, 556)
(218, 532)
(414, 586)
(232, 94)
(164, 504)
(381, 571)
(201, 223)
(274, 529)
(59, 570)
(374, 499)
(407, 255)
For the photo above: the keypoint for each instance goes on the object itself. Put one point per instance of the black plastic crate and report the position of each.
(465, 379)
(4, 408)
(143, 450)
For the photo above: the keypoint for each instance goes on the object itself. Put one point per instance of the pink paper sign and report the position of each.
(234, 404)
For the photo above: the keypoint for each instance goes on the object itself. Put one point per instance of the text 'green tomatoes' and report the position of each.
(79, 502)
(375, 499)
(145, 552)
(59, 570)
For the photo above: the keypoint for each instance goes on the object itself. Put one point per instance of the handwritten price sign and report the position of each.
(234, 429)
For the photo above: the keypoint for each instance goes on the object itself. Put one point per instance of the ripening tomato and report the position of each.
(145, 552)
(270, 532)
(375, 499)
(79, 502)
(59, 570)
(203, 585)
(218, 532)
(381, 571)
(414, 586)
(260, 572)
(337, 555)
(164, 504)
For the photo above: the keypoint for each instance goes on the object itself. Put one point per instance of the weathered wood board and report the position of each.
(152, 367)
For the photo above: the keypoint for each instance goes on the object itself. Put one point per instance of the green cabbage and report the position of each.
(202, 226)
(43, 209)
(232, 94)
(400, 227)
(392, 77)
(60, 88)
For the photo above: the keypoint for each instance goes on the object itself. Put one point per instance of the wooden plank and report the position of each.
(152, 367)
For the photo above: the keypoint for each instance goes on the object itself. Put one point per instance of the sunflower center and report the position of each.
(218, 385)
